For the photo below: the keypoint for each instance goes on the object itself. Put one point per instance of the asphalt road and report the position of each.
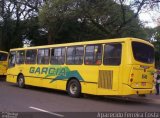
(55, 103)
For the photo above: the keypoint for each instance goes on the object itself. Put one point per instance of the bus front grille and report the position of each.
(105, 79)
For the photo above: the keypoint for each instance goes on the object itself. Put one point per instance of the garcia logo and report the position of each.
(55, 73)
(48, 71)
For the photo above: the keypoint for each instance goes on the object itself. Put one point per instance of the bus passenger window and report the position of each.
(58, 56)
(93, 55)
(79, 52)
(112, 54)
(31, 56)
(43, 56)
(3, 57)
(75, 55)
(20, 56)
(12, 59)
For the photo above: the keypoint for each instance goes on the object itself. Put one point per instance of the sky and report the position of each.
(147, 15)
(150, 18)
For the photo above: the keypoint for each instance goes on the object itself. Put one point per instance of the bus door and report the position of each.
(109, 72)
(11, 66)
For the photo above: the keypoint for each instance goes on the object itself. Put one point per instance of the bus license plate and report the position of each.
(143, 83)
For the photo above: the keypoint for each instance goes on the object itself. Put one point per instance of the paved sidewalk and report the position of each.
(153, 96)
(150, 98)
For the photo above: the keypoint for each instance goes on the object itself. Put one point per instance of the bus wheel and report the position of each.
(21, 82)
(74, 88)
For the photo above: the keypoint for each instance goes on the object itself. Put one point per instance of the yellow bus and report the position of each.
(122, 66)
(3, 63)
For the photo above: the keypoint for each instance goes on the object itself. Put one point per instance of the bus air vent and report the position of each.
(105, 79)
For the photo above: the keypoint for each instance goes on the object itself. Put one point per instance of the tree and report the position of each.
(69, 20)
(53, 16)
(156, 42)
(98, 18)
(13, 14)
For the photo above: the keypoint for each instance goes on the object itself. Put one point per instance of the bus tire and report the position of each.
(74, 88)
(20, 81)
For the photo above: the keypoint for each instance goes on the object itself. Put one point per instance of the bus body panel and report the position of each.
(142, 76)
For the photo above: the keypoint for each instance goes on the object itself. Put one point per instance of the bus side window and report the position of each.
(75, 55)
(3, 57)
(43, 56)
(93, 55)
(79, 52)
(12, 59)
(20, 56)
(31, 56)
(58, 56)
(112, 54)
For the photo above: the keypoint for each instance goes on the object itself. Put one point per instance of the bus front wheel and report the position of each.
(74, 88)
(21, 82)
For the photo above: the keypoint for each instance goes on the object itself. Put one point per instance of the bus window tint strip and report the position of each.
(112, 54)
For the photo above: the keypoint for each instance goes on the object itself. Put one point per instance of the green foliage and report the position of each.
(156, 42)
(153, 35)
(157, 33)
(14, 17)
(33, 32)
(74, 20)
(59, 21)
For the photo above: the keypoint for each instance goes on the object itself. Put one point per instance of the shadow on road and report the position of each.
(2, 78)
(113, 99)
(41, 89)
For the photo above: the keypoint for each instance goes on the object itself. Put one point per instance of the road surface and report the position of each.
(49, 103)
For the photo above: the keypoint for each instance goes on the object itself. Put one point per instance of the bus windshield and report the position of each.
(143, 52)
(3, 56)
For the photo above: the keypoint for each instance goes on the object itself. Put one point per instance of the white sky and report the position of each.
(149, 18)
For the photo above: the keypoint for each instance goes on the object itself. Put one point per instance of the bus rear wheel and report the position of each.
(74, 88)
(21, 82)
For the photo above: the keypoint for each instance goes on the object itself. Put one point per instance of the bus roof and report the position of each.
(4, 52)
(86, 42)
